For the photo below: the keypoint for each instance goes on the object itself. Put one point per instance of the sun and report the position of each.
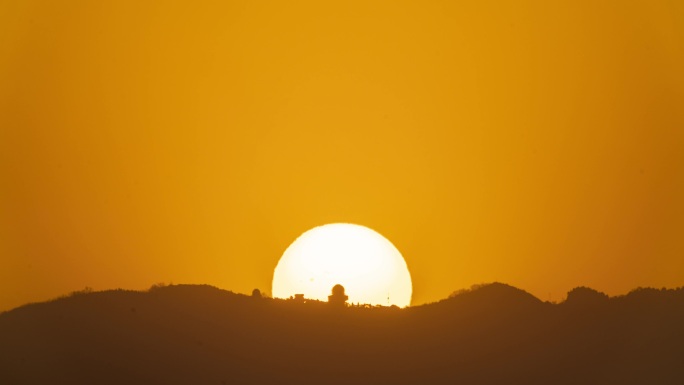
(368, 265)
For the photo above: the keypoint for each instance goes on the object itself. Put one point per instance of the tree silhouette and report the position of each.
(585, 296)
(256, 293)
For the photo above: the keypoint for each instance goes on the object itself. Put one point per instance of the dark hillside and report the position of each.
(494, 334)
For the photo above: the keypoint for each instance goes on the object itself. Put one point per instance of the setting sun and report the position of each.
(368, 265)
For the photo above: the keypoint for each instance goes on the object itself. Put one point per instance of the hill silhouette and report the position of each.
(492, 334)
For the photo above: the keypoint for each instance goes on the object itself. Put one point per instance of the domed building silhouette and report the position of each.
(338, 298)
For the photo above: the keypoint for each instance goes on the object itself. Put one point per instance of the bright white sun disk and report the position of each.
(369, 267)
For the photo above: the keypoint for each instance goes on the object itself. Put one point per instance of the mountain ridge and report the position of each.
(495, 333)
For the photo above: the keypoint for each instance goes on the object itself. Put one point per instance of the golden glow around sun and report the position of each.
(369, 267)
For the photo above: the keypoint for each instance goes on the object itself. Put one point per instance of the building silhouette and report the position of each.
(338, 298)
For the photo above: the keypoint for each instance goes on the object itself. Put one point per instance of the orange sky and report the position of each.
(535, 143)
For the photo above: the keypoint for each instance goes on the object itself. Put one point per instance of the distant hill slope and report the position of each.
(494, 334)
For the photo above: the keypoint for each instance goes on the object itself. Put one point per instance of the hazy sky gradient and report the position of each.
(535, 143)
